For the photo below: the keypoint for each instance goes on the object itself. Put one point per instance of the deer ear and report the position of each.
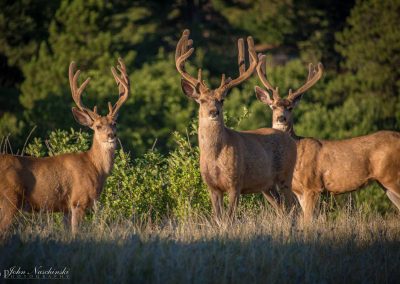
(189, 90)
(296, 101)
(263, 96)
(223, 95)
(82, 117)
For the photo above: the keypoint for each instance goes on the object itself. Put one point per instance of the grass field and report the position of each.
(258, 247)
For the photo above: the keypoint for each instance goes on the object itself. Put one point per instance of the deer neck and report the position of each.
(102, 156)
(212, 135)
(291, 131)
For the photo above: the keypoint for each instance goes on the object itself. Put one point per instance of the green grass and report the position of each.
(258, 247)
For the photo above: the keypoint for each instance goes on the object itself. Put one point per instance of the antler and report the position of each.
(77, 92)
(262, 74)
(244, 74)
(314, 74)
(183, 51)
(123, 86)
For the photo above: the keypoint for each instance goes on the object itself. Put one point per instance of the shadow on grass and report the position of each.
(254, 258)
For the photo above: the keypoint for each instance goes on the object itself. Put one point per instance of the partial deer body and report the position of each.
(334, 166)
(67, 183)
(236, 162)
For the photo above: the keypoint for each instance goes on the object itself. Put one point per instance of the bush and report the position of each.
(170, 185)
(153, 184)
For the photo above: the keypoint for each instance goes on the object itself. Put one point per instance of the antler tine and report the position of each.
(314, 74)
(199, 75)
(183, 51)
(241, 59)
(311, 71)
(123, 87)
(262, 74)
(77, 92)
(243, 74)
(224, 81)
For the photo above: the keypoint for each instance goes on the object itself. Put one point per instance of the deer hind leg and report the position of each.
(393, 192)
(273, 200)
(394, 197)
(287, 196)
(217, 201)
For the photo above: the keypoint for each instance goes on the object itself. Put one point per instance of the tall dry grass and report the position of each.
(258, 247)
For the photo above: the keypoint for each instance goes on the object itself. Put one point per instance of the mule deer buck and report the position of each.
(236, 162)
(334, 166)
(67, 183)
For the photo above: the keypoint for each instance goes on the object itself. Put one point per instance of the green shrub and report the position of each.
(153, 184)
(159, 185)
(59, 142)
(187, 191)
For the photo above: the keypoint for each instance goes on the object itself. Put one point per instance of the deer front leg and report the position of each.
(217, 199)
(233, 203)
(8, 208)
(288, 197)
(309, 199)
(67, 220)
(77, 214)
(6, 217)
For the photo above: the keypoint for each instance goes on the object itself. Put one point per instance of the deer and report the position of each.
(337, 166)
(68, 183)
(236, 162)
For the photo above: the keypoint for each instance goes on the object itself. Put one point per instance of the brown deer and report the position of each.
(333, 166)
(236, 162)
(67, 183)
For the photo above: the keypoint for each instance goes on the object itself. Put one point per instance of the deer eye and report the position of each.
(98, 127)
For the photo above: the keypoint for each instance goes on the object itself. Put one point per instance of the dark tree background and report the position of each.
(358, 43)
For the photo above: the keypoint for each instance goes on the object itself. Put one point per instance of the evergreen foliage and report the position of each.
(358, 43)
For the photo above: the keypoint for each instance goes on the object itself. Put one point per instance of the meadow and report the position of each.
(259, 247)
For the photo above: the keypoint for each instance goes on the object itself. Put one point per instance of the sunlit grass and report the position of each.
(258, 247)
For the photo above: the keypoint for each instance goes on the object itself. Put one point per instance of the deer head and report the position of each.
(211, 100)
(282, 108)
(104, 127)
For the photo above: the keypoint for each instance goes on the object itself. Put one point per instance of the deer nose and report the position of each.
(281, 118)
(214, 113)
(111, 135)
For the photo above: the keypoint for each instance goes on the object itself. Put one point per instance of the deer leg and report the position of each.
(273, 201)
(233, 203)
(8, 209)
(309, 199)
(393, 192)
(288, 197)
(394, 197)
(67, 220)
(77, 214)
(217, 203)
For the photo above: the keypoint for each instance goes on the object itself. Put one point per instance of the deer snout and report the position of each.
(281, 118)
(111, 135)
(213, 113)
